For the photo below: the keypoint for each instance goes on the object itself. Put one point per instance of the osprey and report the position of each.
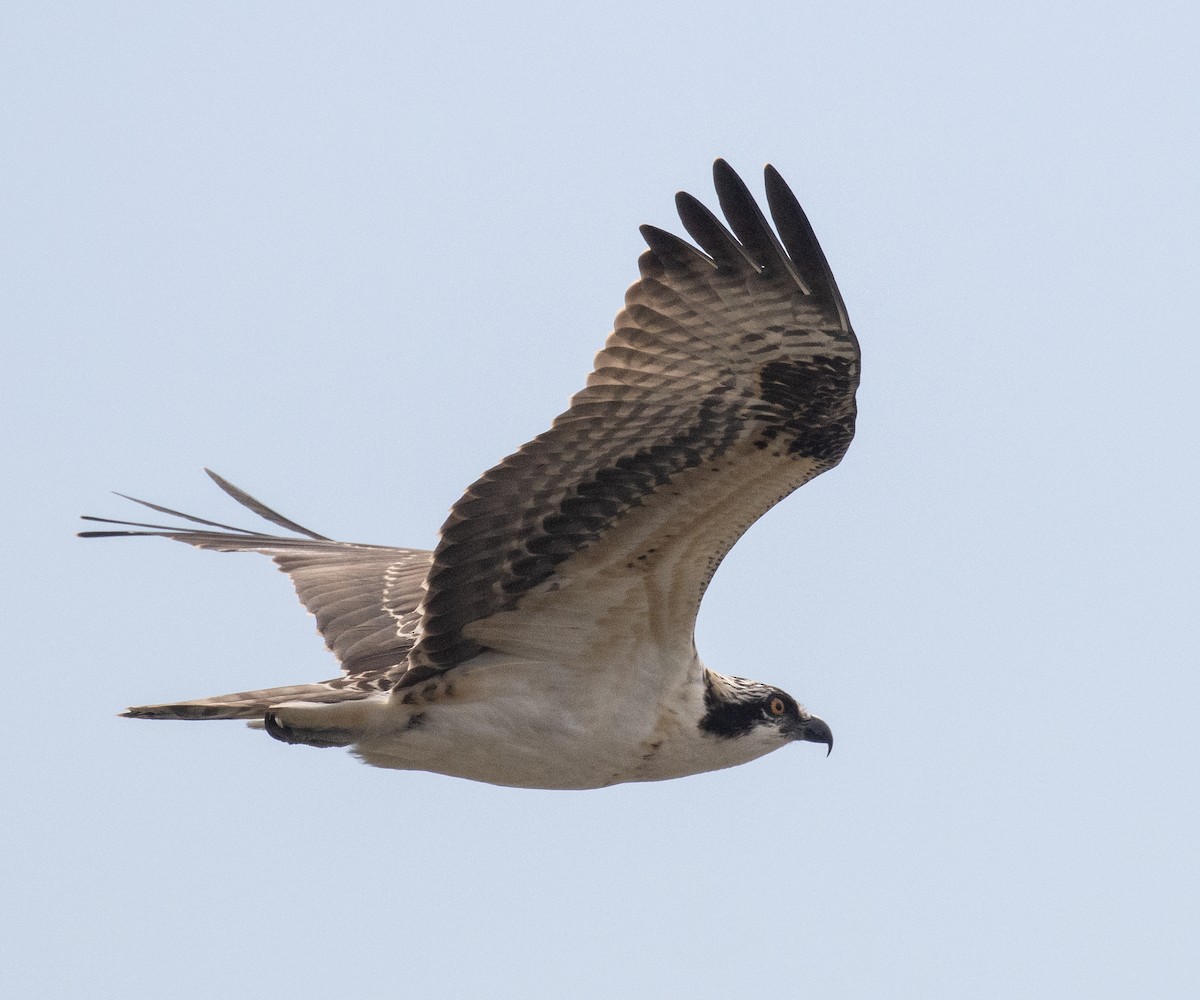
(547, 642)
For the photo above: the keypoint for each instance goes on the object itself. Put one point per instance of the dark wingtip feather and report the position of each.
(191, 534)
(151, 529)
(670, 249)
(708, 231)
(801, 242)
(749, 243)
(180, 514)
(260, 508)
(749, 224)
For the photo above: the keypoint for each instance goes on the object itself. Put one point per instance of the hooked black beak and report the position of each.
(814, 730)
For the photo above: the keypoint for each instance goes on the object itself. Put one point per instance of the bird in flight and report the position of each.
(548, 640)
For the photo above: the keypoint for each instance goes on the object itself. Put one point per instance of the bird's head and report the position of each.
(738, 709)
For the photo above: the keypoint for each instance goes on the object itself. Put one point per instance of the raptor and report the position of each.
(548, 640)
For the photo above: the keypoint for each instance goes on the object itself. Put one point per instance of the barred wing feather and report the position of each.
(727, 383)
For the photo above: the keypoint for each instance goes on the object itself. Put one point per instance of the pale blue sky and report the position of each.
(349, 256)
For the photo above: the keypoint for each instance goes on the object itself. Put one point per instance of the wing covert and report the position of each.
(728, 381)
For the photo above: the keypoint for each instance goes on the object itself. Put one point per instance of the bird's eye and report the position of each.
(777, 706)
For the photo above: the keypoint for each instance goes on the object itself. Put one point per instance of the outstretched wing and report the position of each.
(364, 597)
(728, 382)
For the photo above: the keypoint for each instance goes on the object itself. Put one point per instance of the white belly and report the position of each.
(511, 722)
(535, 725)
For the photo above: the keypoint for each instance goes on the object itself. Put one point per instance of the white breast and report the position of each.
(509, 721)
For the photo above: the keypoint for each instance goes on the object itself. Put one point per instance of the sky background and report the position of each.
(349, 255)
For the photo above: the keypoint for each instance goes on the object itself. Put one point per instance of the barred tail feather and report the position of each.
(252, 705)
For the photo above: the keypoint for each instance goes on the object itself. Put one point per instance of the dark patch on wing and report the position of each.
(598, 501)
(810, 405)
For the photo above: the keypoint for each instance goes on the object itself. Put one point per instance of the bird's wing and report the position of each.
(364, 597)
(728, 382)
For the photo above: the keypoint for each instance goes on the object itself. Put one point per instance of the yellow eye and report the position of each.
(777, 706)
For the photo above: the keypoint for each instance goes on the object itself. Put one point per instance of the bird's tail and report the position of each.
(252, 705)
